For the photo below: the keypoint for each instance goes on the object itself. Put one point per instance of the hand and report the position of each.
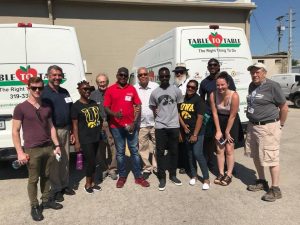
(57, 150)
(186, 129)
(193, 139)
(77, 146)
(23, 158)
(229, 138)
(218, 135)
(72, 139)
(119, 114)
(180, 138)
(131, 128)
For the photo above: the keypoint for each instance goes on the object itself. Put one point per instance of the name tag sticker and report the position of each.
(68, 100)
(128, 98)
(250, 110)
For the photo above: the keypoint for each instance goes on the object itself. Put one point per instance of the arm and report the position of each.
(215, 116)
(75, 132)
(54, 137)
(16, 127)
(234, 107)
(111, 113)
(198, 125)
(283, 111)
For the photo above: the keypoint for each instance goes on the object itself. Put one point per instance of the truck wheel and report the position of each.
(297, 101)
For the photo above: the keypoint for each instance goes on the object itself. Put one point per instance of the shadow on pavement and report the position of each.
(246, 175)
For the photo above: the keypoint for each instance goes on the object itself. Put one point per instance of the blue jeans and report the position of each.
(120, 136)
(195, 151)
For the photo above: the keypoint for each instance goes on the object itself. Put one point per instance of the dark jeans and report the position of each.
(90, 152)
(195, 151)
(166, 139)
(39, 167)
(120, 136)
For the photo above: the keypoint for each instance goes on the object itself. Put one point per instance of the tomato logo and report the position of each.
(216, 39)
(23, 74)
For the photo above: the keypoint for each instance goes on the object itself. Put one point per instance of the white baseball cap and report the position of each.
(257, 65)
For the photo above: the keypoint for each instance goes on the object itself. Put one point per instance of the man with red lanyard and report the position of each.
(120, 101)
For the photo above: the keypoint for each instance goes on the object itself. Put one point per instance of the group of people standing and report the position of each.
(157, 122)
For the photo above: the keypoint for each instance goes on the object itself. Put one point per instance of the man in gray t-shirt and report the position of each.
(267, 111)
(164, 101)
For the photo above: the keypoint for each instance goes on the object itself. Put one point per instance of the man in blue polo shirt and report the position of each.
(60, 102)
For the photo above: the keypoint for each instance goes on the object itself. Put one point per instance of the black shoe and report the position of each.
(182, 171)
(68, 191)
(89, 190)
(162, 185)
(146, 175)
(97, 188)
(59, 197)
(176, 181)
(52, 205)
(36, 213)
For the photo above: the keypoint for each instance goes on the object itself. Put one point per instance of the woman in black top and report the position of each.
(87, 123)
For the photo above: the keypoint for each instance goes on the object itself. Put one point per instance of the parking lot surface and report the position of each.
(177, 204)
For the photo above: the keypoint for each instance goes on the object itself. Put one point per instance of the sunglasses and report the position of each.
(213, 65)
(123, 75)
(191, 87)
(86, 89)
(180, 72)
(164, 76)
(142, 74)
(33, 88)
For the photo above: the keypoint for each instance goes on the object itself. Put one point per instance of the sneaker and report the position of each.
(104, 174)
(36, 213)
(146, 175)
(176, 181)
(192, 181)
(113, 175)
(206, 185)
(96, 188)
(259, 186)
(141, 181)
(162, 185)
(272, 194)
(68, 191)
(51, 205)
(121, 181)
(89, 190)
(59, 197)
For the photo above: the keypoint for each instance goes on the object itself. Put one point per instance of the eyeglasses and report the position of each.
(33, 88)
(142, 74)
(191, 87)
(164, 76)
(86, 89)
(213, 64)
(123, 75)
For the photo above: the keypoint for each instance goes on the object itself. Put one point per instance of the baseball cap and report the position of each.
(123, 70)
(257, 65)
(180, 67)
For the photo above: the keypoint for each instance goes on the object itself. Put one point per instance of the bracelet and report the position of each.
(56, 146)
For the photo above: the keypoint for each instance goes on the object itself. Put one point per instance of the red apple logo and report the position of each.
(216, 39)
(23, 74)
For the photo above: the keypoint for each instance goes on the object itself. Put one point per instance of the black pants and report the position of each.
(166, 139)
(90, 153)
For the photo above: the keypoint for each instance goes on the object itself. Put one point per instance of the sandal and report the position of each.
(226, 180)
(218, 179)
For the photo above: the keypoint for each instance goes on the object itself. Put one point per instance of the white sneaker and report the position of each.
(205, 186)
(193, 181)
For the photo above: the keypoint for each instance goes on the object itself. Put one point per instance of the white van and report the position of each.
(28, 50)
(194, 46)
(286, 81)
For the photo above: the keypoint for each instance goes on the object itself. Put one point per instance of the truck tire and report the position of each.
(297, 101)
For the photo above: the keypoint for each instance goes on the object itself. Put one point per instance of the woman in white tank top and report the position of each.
(224, 106)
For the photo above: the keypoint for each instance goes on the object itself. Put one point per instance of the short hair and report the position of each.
(34, 80)
(163, 69)
(195, 82)
(213, 60)
(81, 83)
(54, 67)
(103, 75)
(224, 75)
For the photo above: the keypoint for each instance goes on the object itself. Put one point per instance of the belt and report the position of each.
(264, 122)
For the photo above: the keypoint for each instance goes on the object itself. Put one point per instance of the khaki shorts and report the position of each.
(263, 142)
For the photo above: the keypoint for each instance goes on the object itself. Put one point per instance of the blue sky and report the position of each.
(264, 38)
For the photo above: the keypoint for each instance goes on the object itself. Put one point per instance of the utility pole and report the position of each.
(280, 28)
(290, 46)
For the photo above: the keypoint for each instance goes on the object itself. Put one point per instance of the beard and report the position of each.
(180, 80)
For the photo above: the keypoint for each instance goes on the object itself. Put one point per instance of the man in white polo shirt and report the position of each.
(147, 132)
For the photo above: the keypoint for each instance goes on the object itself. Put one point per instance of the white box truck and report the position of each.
(194, 46)
(28, 50)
